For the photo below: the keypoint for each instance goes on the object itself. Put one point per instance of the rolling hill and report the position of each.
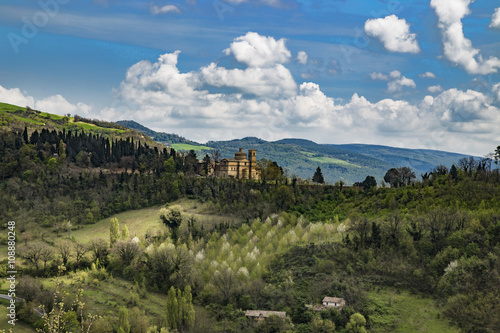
(349, 162)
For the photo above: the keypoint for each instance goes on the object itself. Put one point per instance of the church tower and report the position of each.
(252, 158)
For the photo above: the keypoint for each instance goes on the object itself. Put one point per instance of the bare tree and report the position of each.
(32, 252)
(99, 248)
(46, 254)
(225, 281)
(65, 247)
(26, 236)
(468, 164)
(80, 250)
(215, 155)
(127, 251)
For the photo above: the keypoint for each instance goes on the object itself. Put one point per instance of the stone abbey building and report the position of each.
(239, 167)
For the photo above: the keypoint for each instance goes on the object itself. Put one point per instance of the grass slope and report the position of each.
(188, 147)
(400, 311)
(14, 117)
(350, 163)
(4, 325)
(145, 220)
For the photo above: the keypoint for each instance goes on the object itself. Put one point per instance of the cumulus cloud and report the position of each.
(302, 57)
(394, 33)
(16, 97)
(496, 91)
(255, 50)
(428, 75)
(399, 83)
(156, 10)
(495, 19)
(267, 81)
(263, 100)
(379, 76)
(465, 109)
(396, 81)
(59, 105)
(457, 48)
(53, 104)
(435, 89)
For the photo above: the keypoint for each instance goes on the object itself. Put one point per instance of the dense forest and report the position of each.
(284, 245)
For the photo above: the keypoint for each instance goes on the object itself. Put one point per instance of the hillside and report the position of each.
(350, 162)
(17, 118)
(165, 138)
(138, 229)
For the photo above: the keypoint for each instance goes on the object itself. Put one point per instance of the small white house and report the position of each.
(335, 302)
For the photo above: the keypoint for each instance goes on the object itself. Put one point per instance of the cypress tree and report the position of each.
(318, 176)
(123, 323)
(25, 135)
(172, 311)
(114, 230)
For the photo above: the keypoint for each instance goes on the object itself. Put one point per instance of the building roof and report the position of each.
(264, 314)
(333, 300)
(234, 160)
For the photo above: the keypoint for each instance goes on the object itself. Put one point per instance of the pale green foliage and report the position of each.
(322, 326)
(356, 324)
(188, 311)
(59, 319)
(248, 249)
(172, 309)
(125, 233)
(154, 329)
(114, 230)
(123, 324)
(180, 309)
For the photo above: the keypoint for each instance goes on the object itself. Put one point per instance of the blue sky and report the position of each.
(416, 74)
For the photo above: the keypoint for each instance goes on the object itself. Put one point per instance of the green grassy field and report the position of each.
(30, 120)
(87, 126)
(10, 108)
(404, 312)
(51, 116)
(141, 221)
(18, 328)
(187, 147)
(106, 297)
(137, 222)
(324, 159)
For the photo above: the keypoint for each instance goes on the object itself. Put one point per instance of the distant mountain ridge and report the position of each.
(348, 162)
(165, 138)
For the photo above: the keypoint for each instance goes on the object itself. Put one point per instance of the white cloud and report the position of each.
(379, 76)
(255, 50)
(59, 105)
(457, 48)
(16, 97)
(495, 19)
(395, 74)
(53, 104)
(396, 81)
(163, 98)
(435, 89)
(269, 81)
(394, 33)
(428, 75)
(302, 57)
(156, 10)
(469, 110)
(398, 84)
(496, 91)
